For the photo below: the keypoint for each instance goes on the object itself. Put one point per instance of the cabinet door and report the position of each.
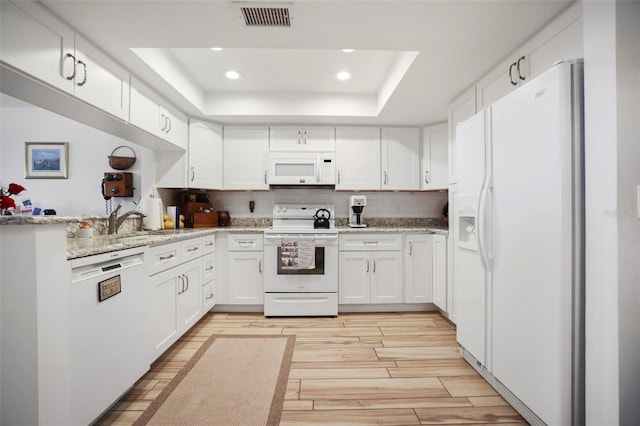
(145, 108)
(36, 43)
(418, 269)
(208, 297)
(245, 278)
(163, 320)
(205, 156)
(189, 291)
(174, 126)
(246, 152)
(561, 40)
(435, 151)
(294, 138)
(400, 158)
(463, 107)
(498, 82)
(440, 271)
(318, 138)
(285, 138)
(386, 277)
(100, 81)
(451, 259)
(208, 267)
(354, 277)
(357, 158)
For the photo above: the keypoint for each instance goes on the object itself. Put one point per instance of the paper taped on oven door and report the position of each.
(297, 254)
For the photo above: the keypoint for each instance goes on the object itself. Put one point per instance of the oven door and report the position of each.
(282, 273)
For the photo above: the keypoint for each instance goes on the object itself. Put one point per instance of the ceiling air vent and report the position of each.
(266, 16)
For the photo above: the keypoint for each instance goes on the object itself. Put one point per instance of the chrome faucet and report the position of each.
(115, 222)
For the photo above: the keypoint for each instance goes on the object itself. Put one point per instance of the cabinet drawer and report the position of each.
(244, 242)
(191, 249)
(209, 243)
(164, 257)
(208, 267)
(208, 297)
(370, 242)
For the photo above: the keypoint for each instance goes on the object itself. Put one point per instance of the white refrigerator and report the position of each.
(519, 260)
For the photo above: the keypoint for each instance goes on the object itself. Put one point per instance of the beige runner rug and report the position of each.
(231, 380)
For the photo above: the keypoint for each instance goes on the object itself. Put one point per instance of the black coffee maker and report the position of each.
(357, 204)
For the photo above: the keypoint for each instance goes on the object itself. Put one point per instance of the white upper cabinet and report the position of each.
(560, 40)
(153, 114)
(246, 157)
(309, 138)
(205, 156)
(357, 158)
(435, 151)
(400, 159)
(38, 44)
(462, 108)
(100, 81)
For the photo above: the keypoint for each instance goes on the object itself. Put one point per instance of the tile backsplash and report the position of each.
(379, 204)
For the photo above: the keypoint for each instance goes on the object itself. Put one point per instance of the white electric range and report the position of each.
(301, 261)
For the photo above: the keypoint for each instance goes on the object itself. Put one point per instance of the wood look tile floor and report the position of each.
(356, 369)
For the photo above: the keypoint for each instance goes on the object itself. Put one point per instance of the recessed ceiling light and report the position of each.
(343, 75)
(348, 50)
(216, 49)
(232, 75)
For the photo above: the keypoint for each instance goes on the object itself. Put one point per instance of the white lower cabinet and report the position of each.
(372, 275)
(245, 269)
(182, 281)
(439, 276)
(208, 282)
(176, 304)
(418, 280)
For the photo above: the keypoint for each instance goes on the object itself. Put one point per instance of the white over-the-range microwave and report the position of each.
(302, 168)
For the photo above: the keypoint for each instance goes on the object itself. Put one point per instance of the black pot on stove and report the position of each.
(321, 219)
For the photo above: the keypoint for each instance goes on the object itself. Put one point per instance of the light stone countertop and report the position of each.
(100, 243)
(81, 247)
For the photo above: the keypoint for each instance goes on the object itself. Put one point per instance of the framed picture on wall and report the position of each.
(46, 160)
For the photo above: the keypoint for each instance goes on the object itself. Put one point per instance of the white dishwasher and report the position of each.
(108, 330)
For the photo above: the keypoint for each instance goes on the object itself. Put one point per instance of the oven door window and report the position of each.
(287, 270)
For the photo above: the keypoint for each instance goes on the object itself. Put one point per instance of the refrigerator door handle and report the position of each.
(481, 225)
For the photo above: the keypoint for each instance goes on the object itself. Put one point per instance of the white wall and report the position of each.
(612, 108)
(88, 159)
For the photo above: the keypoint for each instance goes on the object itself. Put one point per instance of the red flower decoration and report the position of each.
(7, 202)
(15, 189)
